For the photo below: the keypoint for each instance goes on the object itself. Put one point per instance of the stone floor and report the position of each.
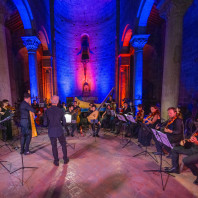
(100, 168)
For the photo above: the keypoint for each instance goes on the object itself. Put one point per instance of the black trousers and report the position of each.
(73, 127)
(62, 142)
(93, 126)
(190, 161)
(26, 135)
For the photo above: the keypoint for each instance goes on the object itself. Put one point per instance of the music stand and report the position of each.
(132, 121)
(123, 120)
(146, 152)
(163, 139)
(22, 168)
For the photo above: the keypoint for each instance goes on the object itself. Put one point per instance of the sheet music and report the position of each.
(130, 118)
(112, 113)
(68, 118)
(162, 137)
(122, 118)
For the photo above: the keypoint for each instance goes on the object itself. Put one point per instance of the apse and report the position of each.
(97, 20)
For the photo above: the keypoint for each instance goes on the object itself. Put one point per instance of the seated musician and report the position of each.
(35, 105)
(190, 161)
(111, 101)
(179, 113)
(76, 106)
(134, 128)
(95, 123)
(124, 111)
(173, 129)
(106, 117)
(64, 108)
(73, 124)
(144, 136)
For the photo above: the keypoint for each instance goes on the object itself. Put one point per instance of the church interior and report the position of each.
(128, 68)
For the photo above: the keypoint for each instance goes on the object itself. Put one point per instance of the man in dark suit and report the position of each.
(25, 123)
(54, 119)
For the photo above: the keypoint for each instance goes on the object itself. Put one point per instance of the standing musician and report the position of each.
(190, 161)
(26, 130)
(54, 118)
(173, 129)
(95, 123)
(73, 124)
(144, 137)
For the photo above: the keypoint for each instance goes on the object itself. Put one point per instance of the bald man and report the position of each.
(55, 120)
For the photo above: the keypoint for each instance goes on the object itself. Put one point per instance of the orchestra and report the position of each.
(108, 119)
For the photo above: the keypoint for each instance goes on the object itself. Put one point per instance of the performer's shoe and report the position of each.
(67, 161)
(56, 163)
(172, 170)
(97, 135)
(196, 181)
(158, 153)
(28, 153)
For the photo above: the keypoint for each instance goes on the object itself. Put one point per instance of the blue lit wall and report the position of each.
(189, 70)
(98, 20)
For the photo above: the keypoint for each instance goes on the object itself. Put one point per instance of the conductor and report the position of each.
(54, 119)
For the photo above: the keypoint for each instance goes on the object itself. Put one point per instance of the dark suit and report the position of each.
(54, 119)
(25, 123)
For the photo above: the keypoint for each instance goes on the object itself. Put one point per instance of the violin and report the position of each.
(150, 116)
(187, 143)
(140, 115)
(171, 121)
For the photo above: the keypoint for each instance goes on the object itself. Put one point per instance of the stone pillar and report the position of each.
(138, 42)
(5, 89)
(32, 43)
(173, 12)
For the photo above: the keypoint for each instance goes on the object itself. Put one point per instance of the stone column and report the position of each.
(138, 42)
(5, 89)
(173, 11)
(32, 43)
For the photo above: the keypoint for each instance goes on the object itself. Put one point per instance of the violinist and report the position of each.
(125, 110)
(140, 114)
(174, 130)
(190, 161)
(35, 105)
(73, 124)
(179, 113)
(144, 137)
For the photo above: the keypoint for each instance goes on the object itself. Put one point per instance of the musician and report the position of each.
(111, 100)
(7, 124)
(132, 108)
(106, 117)
(124, 111)
(73, 124)
(64, 108)
(144, 136)
(179, 113)
(55, 120)
(26, 131)
(35, 105)
(76, 106)
(173, 129)
(190, 161)
(133, 128)
(95, 123)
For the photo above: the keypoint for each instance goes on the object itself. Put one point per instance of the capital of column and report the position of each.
(173, 8)
(31, 43)
(139, 41)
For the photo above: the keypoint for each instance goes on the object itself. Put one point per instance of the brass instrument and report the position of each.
(94, 115)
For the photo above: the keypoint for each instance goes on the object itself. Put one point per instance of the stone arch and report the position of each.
(25, 13)
(144, 12)
(126, 36)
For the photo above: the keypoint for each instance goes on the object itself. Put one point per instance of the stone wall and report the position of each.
(189, 68)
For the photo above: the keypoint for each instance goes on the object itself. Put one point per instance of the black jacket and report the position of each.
(24, 110)
(54, 118)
